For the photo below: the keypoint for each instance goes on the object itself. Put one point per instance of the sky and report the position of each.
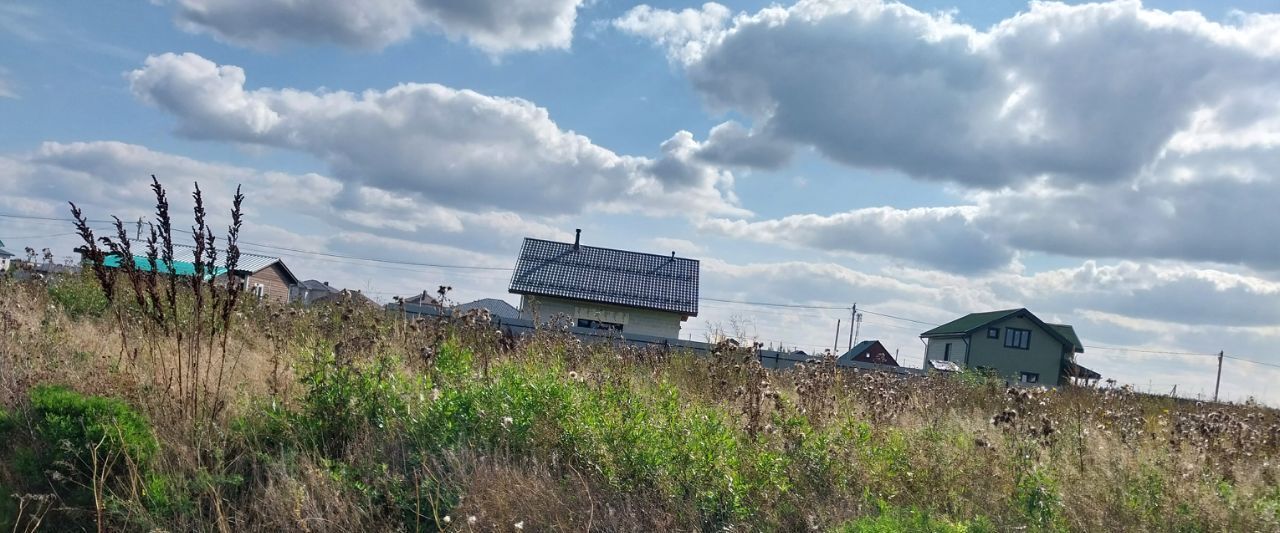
(1108, 165)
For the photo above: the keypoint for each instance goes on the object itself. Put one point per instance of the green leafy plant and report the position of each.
(78, 296)
(68, 422)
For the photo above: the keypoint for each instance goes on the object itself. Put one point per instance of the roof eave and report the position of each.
(680, 312)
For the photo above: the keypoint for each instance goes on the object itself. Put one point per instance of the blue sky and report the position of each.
(1107, 165)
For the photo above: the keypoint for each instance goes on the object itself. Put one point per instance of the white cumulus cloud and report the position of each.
(494, 26)
(454, 147)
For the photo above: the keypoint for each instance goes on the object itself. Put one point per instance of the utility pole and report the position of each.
(1219, 382)
(835, 346)
(853, 313)
(857, 325)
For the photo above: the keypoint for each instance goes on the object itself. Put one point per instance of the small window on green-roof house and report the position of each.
(993, 333)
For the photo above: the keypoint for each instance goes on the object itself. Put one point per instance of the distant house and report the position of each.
(421, 299)
(1013, 343)
(867, 352)
(264, 276)
(496, 308)
(345, 296)
(604, 288)
(5, 259)
(310, 290)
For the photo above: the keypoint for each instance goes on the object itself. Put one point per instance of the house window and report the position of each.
(993, 333)
(1029, 377)
(1017, 338)
(598, 324)
(946, 352)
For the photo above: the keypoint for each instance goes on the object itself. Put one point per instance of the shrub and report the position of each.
(68, 422)
(6, 421)
(343, 398)
(903, 520)
(78, 296)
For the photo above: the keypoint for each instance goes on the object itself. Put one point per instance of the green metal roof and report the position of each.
(181, 268)
(1070, 334)
(974, 321)
(968, 323)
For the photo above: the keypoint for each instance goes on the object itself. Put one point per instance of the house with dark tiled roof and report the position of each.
(263, 276)
(1013, 343)
(496, 308)
(867, 352)
(310, 290)
(605, 288)
(5, 259)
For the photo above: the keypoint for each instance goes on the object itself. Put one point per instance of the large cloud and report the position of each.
(1086, 93)
(455, 147)
(938, 237)
(491, 25)
(112, 178)
(1093, 131)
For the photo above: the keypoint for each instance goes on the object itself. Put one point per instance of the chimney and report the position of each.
(673, 254)
(326, 284)
(577, 237)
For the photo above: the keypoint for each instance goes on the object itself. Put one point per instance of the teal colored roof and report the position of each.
(181, 268)
(968, 323)
(1070, 334)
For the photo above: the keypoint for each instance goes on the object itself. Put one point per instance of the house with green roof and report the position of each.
(1014, 343)
(264, 276)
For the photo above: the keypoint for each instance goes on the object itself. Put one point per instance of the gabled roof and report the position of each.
(605, 275)
(184, 259)
(968, 323)
(317, 285)
(345, 295)
(496, 307)
(4, 253)
(421, 298)
(972, 322)
(1069, 333)
(859, 353)
(860, 347)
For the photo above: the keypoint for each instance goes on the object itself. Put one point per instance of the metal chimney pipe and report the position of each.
(577, 237)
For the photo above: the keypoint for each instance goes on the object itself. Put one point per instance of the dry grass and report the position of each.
(844, 446)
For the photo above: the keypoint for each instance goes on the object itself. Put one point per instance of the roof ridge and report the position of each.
(606, 248)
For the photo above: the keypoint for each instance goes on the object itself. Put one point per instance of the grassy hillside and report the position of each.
(197, 415)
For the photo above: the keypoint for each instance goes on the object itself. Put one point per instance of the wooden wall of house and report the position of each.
(274, 282)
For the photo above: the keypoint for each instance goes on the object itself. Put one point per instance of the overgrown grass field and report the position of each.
(137, 401)
(345, 418)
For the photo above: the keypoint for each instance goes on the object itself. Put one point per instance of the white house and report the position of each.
(5, 259)
(604, 288)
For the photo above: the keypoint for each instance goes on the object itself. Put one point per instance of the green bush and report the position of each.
(6, 421)
(909, 520)
(343, 398)
(69, 423)
(79, 296)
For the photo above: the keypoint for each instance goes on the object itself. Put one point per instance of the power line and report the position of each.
(897, 317)
(1241, 359)
(1160, 352)
(50, 236)
(773, 304)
